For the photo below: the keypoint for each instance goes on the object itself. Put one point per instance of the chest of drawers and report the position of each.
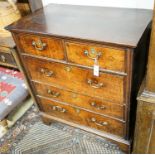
(58, 46)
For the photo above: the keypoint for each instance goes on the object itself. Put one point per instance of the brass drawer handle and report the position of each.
(39, 45)
(93, 104)
(58, 108)
(93, 120)
(46, 72)
(94, 83)
(53, 93)
(3, 59)
(92, 54)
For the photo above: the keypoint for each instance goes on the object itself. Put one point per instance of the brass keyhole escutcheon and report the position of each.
(74, 95)
(77, 110)
(68, 68)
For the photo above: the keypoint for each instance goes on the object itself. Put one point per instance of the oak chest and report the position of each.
(85, 64)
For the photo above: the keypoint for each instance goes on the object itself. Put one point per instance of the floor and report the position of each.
(30, 135)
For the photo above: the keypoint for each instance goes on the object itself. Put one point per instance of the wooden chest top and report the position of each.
(100, 24)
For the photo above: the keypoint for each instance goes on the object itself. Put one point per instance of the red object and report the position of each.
(6, 88)
(14, 73)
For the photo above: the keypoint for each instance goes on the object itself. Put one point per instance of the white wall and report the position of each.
(147, 4)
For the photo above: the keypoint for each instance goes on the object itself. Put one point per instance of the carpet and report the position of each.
(31, 136)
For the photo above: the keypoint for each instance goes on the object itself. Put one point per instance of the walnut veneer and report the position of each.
(57, 47)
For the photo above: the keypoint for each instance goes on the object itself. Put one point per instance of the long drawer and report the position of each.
(82, 117)
(106, 86)
(90, 103)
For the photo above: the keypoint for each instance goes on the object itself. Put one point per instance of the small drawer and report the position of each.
(42, 46)
(81, 80)
(85, 54)
(82, 117)
(90, 103)
(7, 58)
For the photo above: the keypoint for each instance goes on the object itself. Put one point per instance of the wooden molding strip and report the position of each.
(150, 79)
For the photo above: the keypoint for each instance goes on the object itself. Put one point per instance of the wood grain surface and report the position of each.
(125, 26)
(53, 47)
(76, 79)
(83, 101)
(110, 58)
(82, 117)
(150, 83)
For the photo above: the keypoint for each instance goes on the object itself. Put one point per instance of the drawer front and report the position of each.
(7, 58)
(106, 86)
(91, 103)
(42, 46)
(84, 54)
(82, 117)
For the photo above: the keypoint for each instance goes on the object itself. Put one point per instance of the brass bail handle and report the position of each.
(92, 54)
(59, 109)
(53, 93)
(46, 72)
(39, 45)
(93, 120)
(94, 84)
(3, 59)
(93, 104)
